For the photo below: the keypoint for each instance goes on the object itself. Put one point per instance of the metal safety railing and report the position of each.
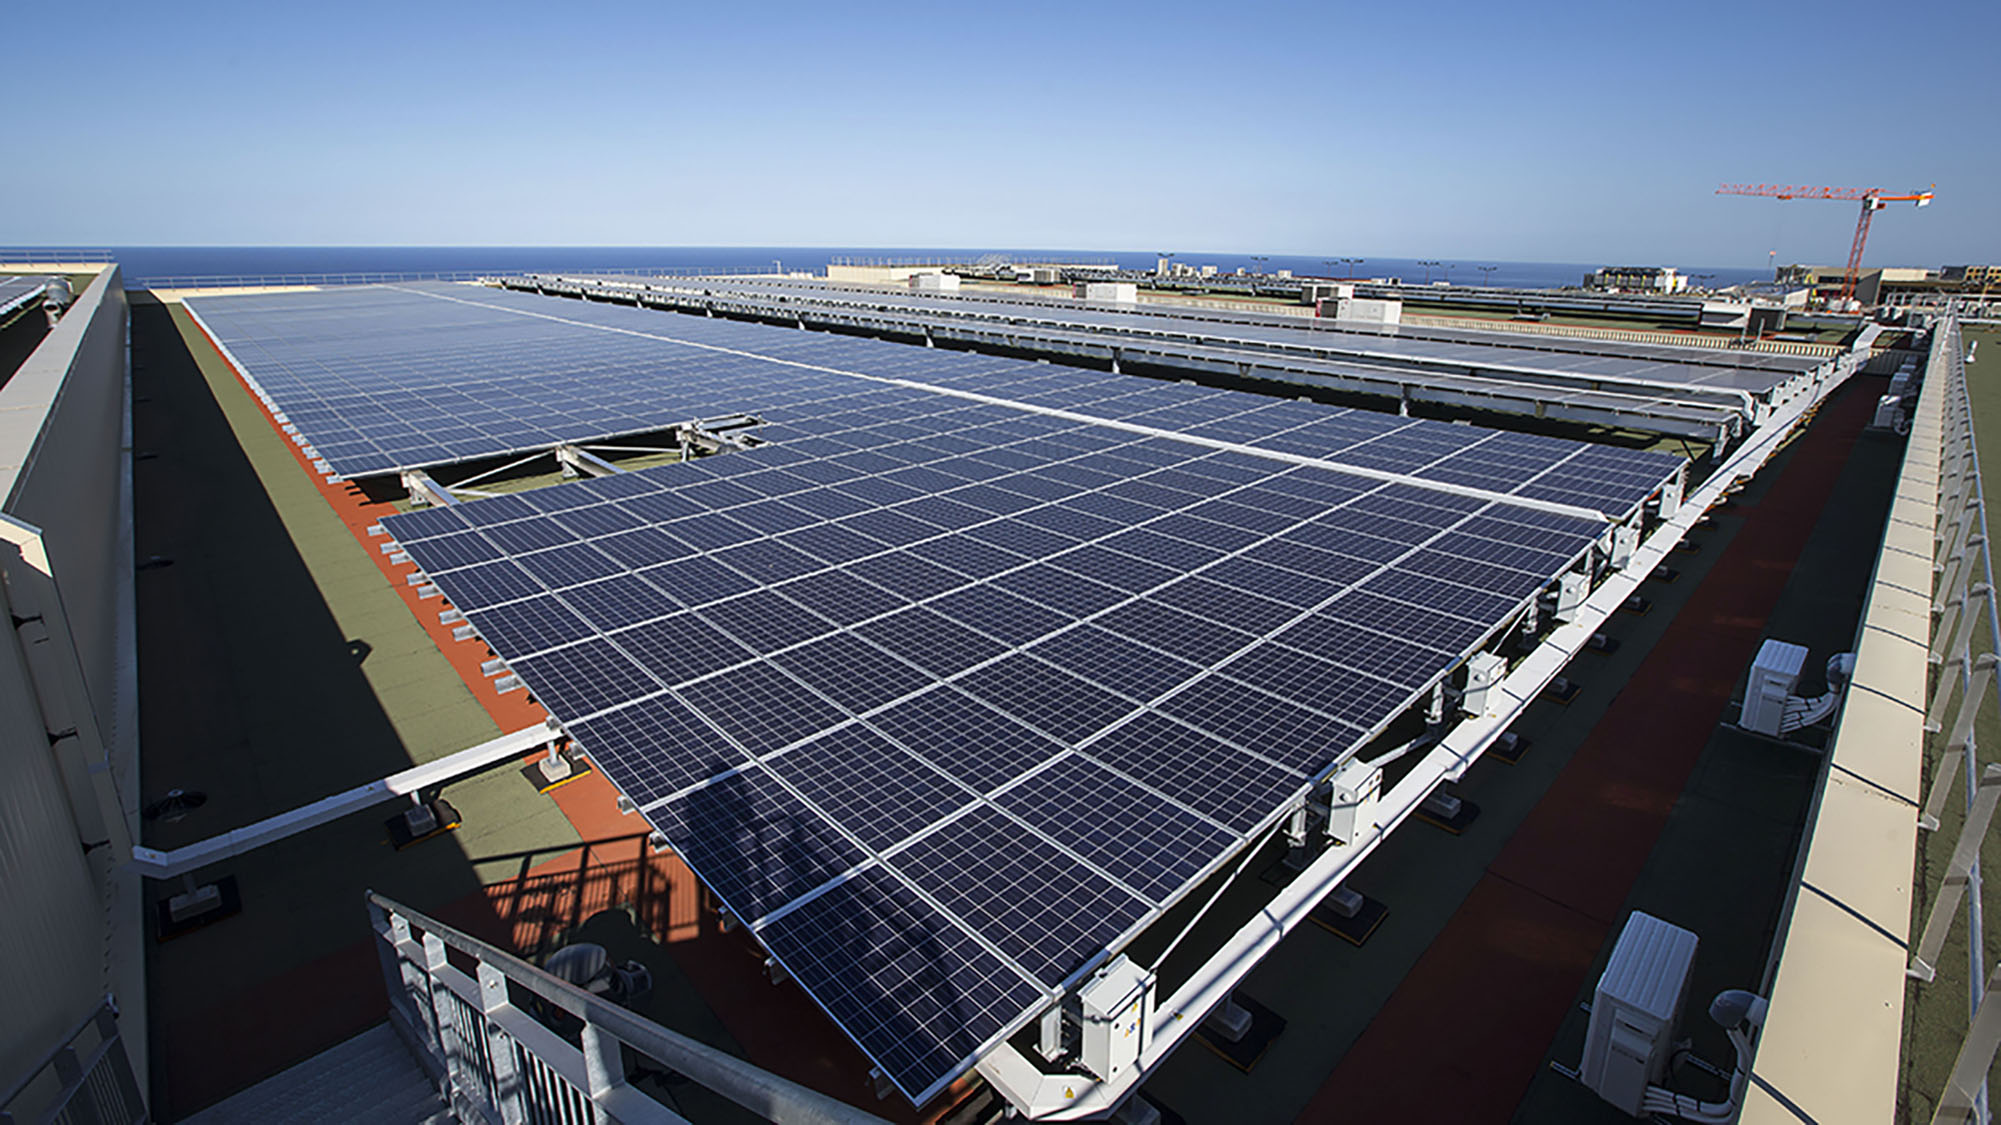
(1964, 601)
(85, 1080)
(494, 1061)
(364, 277)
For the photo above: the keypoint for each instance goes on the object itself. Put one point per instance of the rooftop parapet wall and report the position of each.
(62, 417)
(1829, 1050)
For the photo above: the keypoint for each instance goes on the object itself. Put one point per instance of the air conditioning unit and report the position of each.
(1636, 1009)
(1116, 1007)
(1774, 675)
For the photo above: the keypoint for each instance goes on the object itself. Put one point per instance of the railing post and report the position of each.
(507, 1084)
(129, 1095)
(80, 1109)
(1956, 1103)
(604, 1063)
(442, 1001)
(1939, 922)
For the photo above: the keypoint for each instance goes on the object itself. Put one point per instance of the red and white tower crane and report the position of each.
(1872, 200)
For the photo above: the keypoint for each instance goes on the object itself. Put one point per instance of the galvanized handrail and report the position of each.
(97, 1087)
(483, 1075)
(377, 277)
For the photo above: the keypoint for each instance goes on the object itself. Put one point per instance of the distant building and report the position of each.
(1638, 279)
(1972, 275)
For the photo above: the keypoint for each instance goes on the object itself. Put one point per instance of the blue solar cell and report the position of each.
(761, 707)
(656, 747)
(1090, 810)
(1228, 786)
(916, 992)
(869, 786)
(851, 672)
(996, 875)
(680, 648)
(748, 815)
(617, 602)
(1045, 697)
(931, 641)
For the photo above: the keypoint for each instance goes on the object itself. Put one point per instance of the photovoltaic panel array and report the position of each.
(383, 378)
(1755, 372)
(978, 665)
(16, 291)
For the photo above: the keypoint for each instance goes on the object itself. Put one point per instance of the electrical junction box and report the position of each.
(1625, 540)
(1351, 800)
(1484, 670)
(1116, 1006)
(1774, 675)
(1571, 590)
(1636, 1010)
(1671, 497)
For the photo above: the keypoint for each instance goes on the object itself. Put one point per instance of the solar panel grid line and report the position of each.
(1067, 415)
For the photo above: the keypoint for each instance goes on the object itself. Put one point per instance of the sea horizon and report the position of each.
(162, 262)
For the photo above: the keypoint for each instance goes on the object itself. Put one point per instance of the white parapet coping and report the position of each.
(1069, 1097)
(1830, 1048)
(166, 865)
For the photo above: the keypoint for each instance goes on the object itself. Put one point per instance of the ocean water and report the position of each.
(144, 264)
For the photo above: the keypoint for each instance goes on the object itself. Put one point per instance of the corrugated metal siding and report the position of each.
(52, 929)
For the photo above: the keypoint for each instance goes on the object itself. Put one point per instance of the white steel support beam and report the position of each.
(577, 461)
(409, 783)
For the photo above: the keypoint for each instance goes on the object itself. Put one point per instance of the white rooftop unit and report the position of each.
(935, 282)
(1122, 292)
(1774, 675)
(1361, 310)
(1635, 1011)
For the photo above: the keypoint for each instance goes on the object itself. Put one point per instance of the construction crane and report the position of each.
(1872, 200)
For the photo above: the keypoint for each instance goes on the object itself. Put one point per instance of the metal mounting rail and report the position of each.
(495, 1062)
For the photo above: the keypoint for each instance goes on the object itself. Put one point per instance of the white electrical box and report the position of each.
(1625, 540)
(1117, 1015)
(1483, 671)
(1351, 800)
(1636, 1010)
(1774, 675)
(1571, 590)
(1671, 497)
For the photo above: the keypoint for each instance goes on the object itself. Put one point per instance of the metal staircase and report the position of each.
(371, 1077)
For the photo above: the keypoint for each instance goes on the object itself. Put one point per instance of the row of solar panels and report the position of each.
(1496, 348)
(1696, 411)
(974, 667)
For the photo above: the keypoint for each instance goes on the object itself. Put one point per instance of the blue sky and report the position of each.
(1515, 131)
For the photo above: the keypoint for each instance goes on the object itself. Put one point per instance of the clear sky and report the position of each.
(1521, 131)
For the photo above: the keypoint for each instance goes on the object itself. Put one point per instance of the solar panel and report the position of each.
(889, 681)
